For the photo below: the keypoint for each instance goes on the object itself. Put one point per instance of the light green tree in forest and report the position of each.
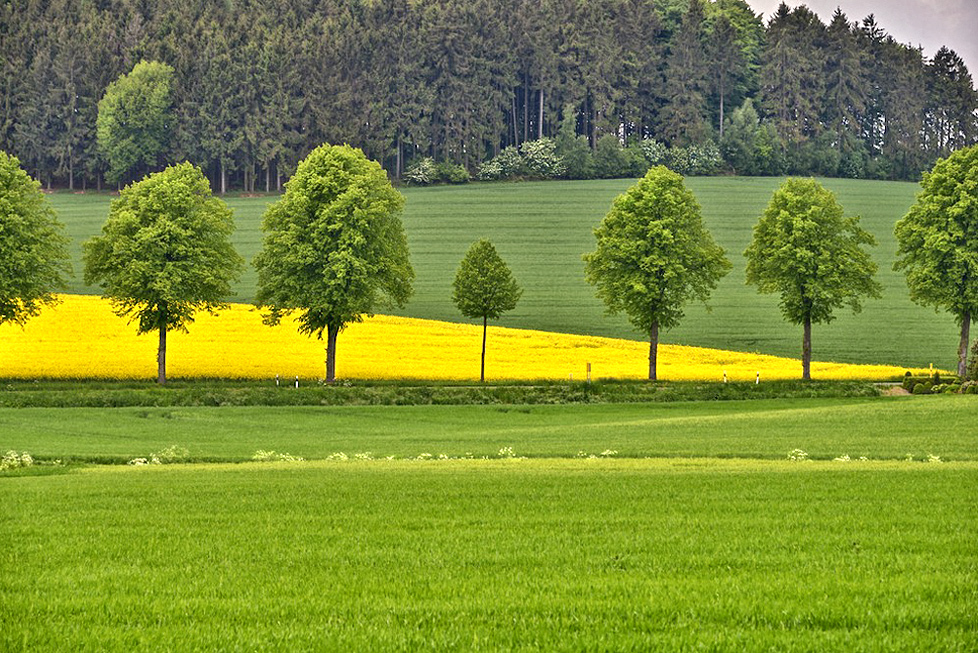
(165, 253)
(484, 288)
(134, 120)
(654, 255)
(334, 247)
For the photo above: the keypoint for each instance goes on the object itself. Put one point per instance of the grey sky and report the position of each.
(928, 23)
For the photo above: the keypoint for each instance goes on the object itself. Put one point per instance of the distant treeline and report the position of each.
(258, 83)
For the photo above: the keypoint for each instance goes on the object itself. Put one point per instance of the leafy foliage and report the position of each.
(813, 257)
(654, 255)
(135, 119)
(334, 248)
(484, 286)
(806, 251)
(33, 247)
(938, 241)
(165, 252)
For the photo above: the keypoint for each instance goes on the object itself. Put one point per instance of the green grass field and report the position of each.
(878, 428)
(570, 555)
(696, 533)
(543, 228)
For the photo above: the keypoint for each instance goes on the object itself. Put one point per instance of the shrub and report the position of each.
(505, 165)
(540, 159)
(451, 173)
(421, 171)
(13, 460)
(655, 153)
(921, 389)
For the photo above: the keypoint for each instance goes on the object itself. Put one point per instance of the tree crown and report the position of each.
(805, 250)
(133, 121)
(484, 286)
(334, 246)
(33, 247)
(164, 252)
(938, 238)
(653, 253)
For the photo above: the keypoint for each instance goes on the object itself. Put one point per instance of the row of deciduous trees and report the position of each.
(334, 250)
(256, 85)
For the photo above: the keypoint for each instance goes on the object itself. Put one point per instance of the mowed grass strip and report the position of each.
(543, 228)
(878, 428)
(493, 555)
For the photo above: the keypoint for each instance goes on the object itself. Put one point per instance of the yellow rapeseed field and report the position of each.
(82, 338)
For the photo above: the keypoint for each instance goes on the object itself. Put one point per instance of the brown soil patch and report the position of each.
(895, 391)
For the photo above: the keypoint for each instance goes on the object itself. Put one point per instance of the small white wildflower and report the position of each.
(366, 455)
(908, 458)
(582, 454)
(444, 456)
(931, 458)
(607, 453)
(844, 458)
(339, 455)
(863, 458)
(797, 454)
(507, 452)
(424, 456)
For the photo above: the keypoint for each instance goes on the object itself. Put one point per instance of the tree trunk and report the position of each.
(71, 170)
(512, 106)
(721, 109)
(540, 118)
(963, 347)
(526, 107)
(331, 332)
(653, 351)
(397, 158)
(224, 179)
(806, 350)
(161, 357)
(482, 369)
(268, 176)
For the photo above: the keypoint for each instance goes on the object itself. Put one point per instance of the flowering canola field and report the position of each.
(82, 338)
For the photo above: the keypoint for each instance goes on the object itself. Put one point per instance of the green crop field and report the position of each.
(543, 228)
(878, 428)
(680, 551)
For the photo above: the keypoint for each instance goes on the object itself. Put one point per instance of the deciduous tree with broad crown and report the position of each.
(165, 253)
(334, 247)
(806, 251)
(484, 288)
(134, 120)
(938, 241)
(33, 247)
(654, 255)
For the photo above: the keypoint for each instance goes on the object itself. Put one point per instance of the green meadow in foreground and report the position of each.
(493, 555)
(627, 527)
(877, 428)
(542, 229)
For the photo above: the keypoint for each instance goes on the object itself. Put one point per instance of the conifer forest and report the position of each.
(251, 86)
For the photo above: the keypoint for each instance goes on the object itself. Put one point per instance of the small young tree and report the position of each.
(165, 253)
(484, 288)
(654, 255)
(334, 247)
(805, 250)
(135, 120)
(938, 241)
(33, 247)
